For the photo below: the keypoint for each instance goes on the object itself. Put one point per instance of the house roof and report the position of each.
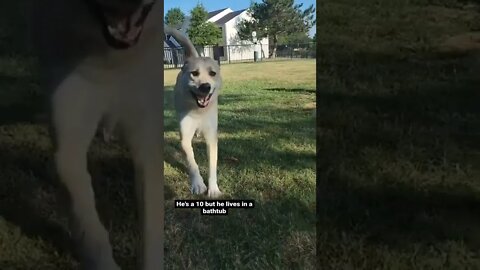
(215, 12)
(170, 42)
(229, 16)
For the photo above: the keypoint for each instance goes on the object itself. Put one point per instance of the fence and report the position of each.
(174, 57)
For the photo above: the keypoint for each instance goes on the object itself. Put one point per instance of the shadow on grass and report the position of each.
(20, 113)
(32, 198)
(20, 100)
(26, 177)
(266, 154)
(398, 144)
(399, 215)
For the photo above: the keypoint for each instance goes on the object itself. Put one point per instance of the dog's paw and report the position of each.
(198, 187)
(214, 192)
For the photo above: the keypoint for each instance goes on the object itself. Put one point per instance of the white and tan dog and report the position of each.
(104, 58)
(196, 104)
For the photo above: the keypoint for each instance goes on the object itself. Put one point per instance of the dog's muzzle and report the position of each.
(203, 96)
(125, 32)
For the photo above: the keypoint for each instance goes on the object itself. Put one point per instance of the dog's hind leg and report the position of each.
(211, 138)
(188, 125)
(76, 113)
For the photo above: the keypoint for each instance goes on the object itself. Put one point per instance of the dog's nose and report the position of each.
(204, 88)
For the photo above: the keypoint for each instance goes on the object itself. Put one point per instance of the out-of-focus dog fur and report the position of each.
(196, 104)
(104, 58)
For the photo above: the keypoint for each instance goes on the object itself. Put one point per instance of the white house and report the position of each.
(234, 49)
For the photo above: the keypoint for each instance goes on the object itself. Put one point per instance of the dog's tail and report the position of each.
(190, 50)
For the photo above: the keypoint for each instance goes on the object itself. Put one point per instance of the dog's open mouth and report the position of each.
(202, 101)
(124, 34)
(122, 31)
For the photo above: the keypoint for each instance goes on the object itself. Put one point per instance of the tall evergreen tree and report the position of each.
(175, 17)
(201, 32)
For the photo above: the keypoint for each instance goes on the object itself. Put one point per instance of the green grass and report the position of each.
(398, 135)
(266, 153)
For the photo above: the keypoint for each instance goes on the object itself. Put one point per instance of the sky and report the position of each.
(211, 5)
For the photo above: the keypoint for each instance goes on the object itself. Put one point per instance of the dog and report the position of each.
(103, 58)
(196, 104)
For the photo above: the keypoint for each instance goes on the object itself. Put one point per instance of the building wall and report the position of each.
(242, 49)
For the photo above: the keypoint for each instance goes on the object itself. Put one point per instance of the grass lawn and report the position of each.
(266, 153)
(398, 135)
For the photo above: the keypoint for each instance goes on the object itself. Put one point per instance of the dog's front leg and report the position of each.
(211, 137)
(76, 113)
(145, 138)
(188, 125)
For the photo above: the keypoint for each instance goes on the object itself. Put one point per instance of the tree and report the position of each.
(175, 18)
(201, 32)
(274, 18)
(296, 38)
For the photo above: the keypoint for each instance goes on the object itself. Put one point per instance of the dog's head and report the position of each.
(201, 76)
(122, 20)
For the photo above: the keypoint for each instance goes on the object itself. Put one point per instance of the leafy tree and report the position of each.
(274, 18)
(201, 32)
(174, 17)
(296, 38)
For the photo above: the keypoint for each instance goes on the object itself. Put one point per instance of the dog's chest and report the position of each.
(122, 69)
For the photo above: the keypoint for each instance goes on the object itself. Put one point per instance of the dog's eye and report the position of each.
(212, 73)
(194, 73)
